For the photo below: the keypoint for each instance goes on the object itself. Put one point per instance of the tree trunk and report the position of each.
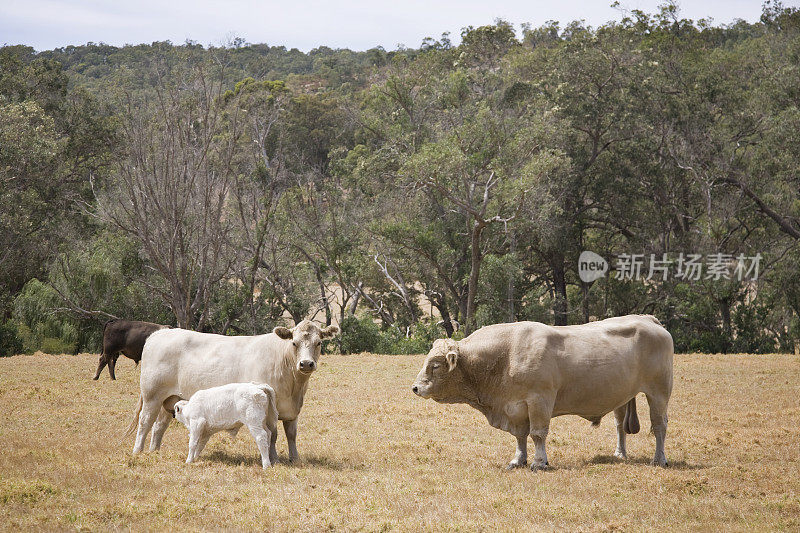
(585, 301)
(727, 330)
(472, 287)
(560, 286)
(510, 296)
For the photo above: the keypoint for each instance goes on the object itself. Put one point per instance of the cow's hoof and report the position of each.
(620, 455)
(513, 465)
(539, 466)
(662, 463)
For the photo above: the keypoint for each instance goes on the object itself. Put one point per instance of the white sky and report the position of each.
(306, 24)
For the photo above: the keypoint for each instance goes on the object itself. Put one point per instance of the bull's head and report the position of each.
(306, 340)
(438, 378)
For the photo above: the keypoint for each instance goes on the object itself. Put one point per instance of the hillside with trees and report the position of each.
(408, 194)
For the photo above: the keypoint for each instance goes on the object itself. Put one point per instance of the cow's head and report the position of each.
(306, 338)
(439, 378)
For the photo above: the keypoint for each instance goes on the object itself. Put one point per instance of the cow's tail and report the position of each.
(135, 422)
(272, 406)
(631, 422)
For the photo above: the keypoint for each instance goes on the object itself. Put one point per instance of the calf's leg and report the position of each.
(619, 415)
(658, 425)
(273, 451)
(290, 428)
(521, 458)
(262, 438)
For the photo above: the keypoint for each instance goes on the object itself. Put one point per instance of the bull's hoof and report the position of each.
(539, 466)
(660, 462)
(513, 465)
(620, 455)
(96, 378)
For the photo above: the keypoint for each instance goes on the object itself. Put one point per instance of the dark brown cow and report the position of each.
(126, 337)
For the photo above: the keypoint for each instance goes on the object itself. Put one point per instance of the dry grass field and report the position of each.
(377, 458)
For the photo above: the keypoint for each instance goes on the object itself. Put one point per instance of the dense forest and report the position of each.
(408, 194)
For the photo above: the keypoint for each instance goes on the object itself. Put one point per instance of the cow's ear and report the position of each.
(283, 333)
(452, 359)
(330, 331)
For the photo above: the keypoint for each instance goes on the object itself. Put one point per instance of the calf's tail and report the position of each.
(631, 421)
(135, 422)
(272, 406)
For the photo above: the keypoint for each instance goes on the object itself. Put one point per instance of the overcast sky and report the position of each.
(306, 24)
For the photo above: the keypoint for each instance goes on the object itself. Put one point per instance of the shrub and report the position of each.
(359, 334)
(10, 341)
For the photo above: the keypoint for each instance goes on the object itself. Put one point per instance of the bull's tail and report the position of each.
(272, 406)
(135, 422)
(631, 422)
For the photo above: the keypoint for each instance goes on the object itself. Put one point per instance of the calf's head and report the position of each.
(439, 378)
(179, 411)
(306, 338)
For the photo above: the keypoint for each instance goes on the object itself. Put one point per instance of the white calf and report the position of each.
(229, 407)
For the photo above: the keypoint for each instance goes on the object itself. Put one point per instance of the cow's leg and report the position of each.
(262, 437)
(290, 428)
(101, 364)
(521, 458)
(160, 427)
(112, 364)
(658, 425)
(150, 410)
(540, 410)
(619, 415)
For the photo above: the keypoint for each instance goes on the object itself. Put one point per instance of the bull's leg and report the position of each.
(160, 427)
(619, 415)
(262, 437)
(150, 410)
(540, 410)
(521, 458)
(658, 425)
(290, 428)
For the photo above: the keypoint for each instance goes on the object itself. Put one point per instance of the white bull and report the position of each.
(521, 375)
(179, 362)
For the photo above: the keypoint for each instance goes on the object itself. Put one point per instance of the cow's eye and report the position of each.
(294, 343)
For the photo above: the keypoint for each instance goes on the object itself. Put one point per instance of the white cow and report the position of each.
(227, 408)
(521, 375)
(179, 362)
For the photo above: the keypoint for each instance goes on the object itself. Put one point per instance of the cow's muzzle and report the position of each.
(306, 367)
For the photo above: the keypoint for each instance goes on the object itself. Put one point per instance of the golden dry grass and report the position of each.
(377, 458)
